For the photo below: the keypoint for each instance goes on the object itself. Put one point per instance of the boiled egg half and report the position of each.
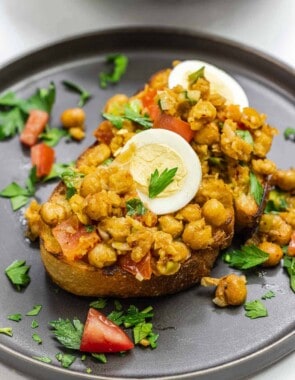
(162, 150)
(220, 82)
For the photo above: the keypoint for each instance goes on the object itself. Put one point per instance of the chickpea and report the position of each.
(197, 235)
(214, 212)
(73, 117)
(77, 133)
(171, 225)
(274, 251)
(102, 256)
(167, 268)
(231, 290)
(52, 213)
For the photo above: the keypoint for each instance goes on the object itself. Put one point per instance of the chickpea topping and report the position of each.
(102, 256)
(52, 213)
(214, 212)
(274, 251)
(230, 290)
(73, 117)
(77, 133)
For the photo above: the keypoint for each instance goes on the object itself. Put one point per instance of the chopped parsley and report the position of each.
(255, 309)
(57, 170)
(6, 330)
(143, 334)
(247, 257)
(289, 133)
(17, 272)
(84, 95)
(71, 178)
(15, 317)
(36, 338)
(43, 359)
(276, 202)
(256, 189)
(99, 303)
(52, 136)
(193, 77)
(135, 206)
(245, 135)
(268, 295)
(289, 265)
(66, 360)
(159, 182)
(34, 311)
(100, 357)
(34, 324)
(68, 333)
(120, 63)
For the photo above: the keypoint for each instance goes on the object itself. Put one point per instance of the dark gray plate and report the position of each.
(196, 340)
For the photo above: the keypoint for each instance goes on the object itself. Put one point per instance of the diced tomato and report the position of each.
(101, 335)
(34, 126)
(42, 156)
(291, 246)
(141, 270)
(174, 124)
(104, 132)
(73, 238)
(149, 103)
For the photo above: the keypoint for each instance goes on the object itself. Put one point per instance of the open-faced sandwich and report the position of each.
(174, 172)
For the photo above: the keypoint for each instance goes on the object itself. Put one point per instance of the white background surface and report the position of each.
(267, 25)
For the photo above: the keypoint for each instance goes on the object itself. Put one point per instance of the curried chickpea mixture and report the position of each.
(95, 223)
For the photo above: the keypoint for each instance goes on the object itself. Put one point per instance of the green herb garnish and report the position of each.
(193, 77)
(268, 295)
(15, 317)
(43, 359)
(6, 330)
(245, 135)
(36, 338)
(34, 324)
(52, 136)
(99, 304)
(144, 331)
(276, 202)
(68, 333)
(135, 206)
(289, 133)
(84, 95)
(247, 257)
(57, 170)
(71, 178)
(256, 189)
(159, 182)
(17, 272)
(66, 360)
(100, 357)
(134, 316)
(19, 195)
(35, 311)
(289, 265)
(255, 309)
(120, 63)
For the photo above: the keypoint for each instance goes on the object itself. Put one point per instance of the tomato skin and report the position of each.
(142, 270)
(42, 156)
(101, 335)
(174, 124)
(34, 126)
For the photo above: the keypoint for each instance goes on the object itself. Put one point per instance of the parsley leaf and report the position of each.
(11, 123)
(255, 309)
(245, 135)
(36, 338)
(57, 170)
(144, 331)
(134, 316)
(34, 324)
(6, 331)
(256, 189)
(135, 206)
(193, 77)
(276, 202)
(52, 136)
(289, 264)
(99, 304)
(35, 311)
(159, 182)
(18, 195)
(68, 333)
(120, 63)
(84, 95)
(17, 272)
(15, 317)
(116, 120)
(268, 295)
(71, 178)
(66, 360)
(43, 359)
(247, 257)
(43, 99)
(289, 133)
(100, 357)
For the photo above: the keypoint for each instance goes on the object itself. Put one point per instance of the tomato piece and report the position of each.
(141, 270)
(174, 124)
(101, 335)
(149, 104)
(34, 126)
(73, 238)
(42, 156)
(291, 246)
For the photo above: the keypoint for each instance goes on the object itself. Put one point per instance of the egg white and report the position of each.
(164, 205)
(220, 81)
